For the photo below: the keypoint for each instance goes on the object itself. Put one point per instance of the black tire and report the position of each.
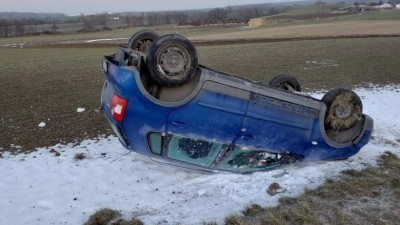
(142, 40)
(343, 110)
(285, 82)
(172, 60)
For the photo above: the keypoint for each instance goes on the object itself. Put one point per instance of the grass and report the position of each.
(323, 28)
(321, 64)
(323, 11)
(109, 216)
(48, 85)
(369, 196)
(309, 10)
(375, 15)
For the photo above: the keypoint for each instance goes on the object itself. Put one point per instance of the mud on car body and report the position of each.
(161, 103)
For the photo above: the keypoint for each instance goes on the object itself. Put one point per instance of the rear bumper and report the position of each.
(117, 128)
(369, 123)
(367, 132)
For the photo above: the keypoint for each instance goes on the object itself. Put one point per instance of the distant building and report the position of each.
(257, 22)
(115, 18)
(398, 6)
(383, 6)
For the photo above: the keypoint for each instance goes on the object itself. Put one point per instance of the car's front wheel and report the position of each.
(285, 82)
(172, 60)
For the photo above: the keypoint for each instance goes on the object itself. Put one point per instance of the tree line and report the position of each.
(183, 17)
(16, 27)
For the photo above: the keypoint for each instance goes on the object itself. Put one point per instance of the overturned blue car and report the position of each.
(161, 103)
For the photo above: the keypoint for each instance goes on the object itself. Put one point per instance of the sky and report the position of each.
(91, 6)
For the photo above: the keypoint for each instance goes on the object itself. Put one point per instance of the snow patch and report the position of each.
(41, 188)
(42, 124)
(45, 204)
(105, 39)
(80, 110)
(314, 64)
(202, 192)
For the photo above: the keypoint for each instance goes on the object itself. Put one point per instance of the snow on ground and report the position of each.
(42, 188)
(105, 39)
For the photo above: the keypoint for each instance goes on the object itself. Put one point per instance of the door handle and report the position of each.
(177, 123)
(247, 137)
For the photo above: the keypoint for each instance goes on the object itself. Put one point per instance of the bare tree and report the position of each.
(102, 20)
(19, 28)
(393, 3)
(273, 11)
(128, 21)
(54, 27)
(4, 28)
(217, 14)
(87, 22)
(257, 11)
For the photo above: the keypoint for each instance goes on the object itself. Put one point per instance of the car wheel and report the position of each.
(343, 109)
(142, 40)
(172, 60)
(285, 82)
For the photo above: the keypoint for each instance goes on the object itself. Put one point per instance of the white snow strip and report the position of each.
(41, 188)
(105, 39)
(80, 110)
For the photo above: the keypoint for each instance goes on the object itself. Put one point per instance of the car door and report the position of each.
(277, 124)
(216, 113)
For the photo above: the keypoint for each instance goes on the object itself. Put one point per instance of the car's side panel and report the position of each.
(121, 79)
(278, 125)
(216, 113)
(142, 117)
(320, 149)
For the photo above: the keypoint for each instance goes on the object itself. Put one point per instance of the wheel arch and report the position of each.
(203, 74)
(367, 125)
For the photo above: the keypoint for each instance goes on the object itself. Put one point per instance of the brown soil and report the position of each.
(48, 83)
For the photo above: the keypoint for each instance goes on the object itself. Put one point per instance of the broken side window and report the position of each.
(154, 140)
(193, 151)
(244, 160)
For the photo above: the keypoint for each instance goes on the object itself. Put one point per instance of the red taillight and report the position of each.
(118, 107)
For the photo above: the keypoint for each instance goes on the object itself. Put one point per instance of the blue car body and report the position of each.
(228, 116)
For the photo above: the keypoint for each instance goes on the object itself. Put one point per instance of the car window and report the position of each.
(244, 160)
(154, 140)
(193, 151)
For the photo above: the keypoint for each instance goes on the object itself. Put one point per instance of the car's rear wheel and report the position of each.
(285, 82)
(172, 60)
(142, 40)
(343, 110)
